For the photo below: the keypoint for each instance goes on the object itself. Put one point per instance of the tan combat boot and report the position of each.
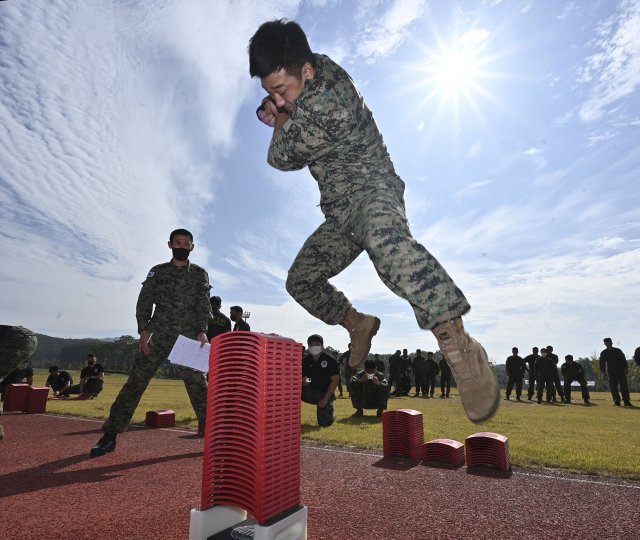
(477, 385)
(361, 329)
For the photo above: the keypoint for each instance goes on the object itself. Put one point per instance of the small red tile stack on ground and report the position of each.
(402, 433)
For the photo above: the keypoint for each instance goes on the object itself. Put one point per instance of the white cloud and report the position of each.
(113, 135)
(473, 38)
(380, 36)
(567, 10)
(533, 151)
(614, 69)
(475, 149)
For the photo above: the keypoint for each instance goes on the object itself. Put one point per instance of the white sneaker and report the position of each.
(477, 385)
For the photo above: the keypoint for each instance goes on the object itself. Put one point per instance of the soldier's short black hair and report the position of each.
(181, 232)
(315, 338)
(53, 369)
(369, 364)
(276, 45)
(237, 309)
(607, 339)
(569, 357)
(91, 355)
(215, 301)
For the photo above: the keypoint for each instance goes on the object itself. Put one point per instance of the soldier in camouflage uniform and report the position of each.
(321, 121)
(17, 344)
(179, 290)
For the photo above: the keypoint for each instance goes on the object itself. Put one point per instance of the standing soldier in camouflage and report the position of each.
(17, 344)
(179, 290)
(321, 121)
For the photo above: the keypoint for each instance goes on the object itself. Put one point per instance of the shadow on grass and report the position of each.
(310, 428)
(356, 420)
(50, 474)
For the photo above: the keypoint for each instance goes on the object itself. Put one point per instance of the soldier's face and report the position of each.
(286, 88)
(181, 241)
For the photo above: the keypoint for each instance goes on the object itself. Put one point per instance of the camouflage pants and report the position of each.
(142, 370)
(324, 415)
(374, 221)
(16, 346)
(369, 396)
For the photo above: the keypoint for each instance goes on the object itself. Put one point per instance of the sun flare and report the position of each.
(455, 71)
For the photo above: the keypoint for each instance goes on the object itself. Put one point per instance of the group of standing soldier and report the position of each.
(543, 372)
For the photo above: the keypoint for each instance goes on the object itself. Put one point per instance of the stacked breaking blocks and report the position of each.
(402, 433)
(251, 455)
(25, 398)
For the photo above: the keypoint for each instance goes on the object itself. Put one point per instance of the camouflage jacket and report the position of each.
(181, 299)
(332, 131)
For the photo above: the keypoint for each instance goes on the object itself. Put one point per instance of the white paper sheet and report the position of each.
(187, 352)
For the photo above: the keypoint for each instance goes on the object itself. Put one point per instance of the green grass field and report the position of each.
(600, 439)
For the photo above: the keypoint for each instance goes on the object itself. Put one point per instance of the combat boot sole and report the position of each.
(477, 385)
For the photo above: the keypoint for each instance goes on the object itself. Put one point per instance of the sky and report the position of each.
(515, 125)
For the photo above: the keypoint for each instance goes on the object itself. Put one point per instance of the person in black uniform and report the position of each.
(58, 380)
(370, 390)
(420, 374)
(320, 376)
(572, 371)
(91, 379)
(431, 370)
(343, 362)
(445, 378)
(544, 369)
(219, 323)
(530, 362)
(636, 356)
(379, 364)
(555, 373)
(613, 360)
(395, 372)
(515, 370)
(235, 313)
(18, 375)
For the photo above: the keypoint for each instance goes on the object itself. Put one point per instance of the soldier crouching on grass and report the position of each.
(320, 374)
(179, 290)
(369, 390)
(321, 121)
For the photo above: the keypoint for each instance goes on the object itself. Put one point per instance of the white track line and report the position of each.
(518, 472)
(342, 451)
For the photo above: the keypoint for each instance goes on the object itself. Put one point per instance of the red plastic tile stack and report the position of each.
(160, 419)
(487, 449)
(36, 402)
(15, 397)
(252, 437)
(445, 451)
(402, 433)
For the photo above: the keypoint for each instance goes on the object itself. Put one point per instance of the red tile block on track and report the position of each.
(402, 433)
(36, 402)
(252, 439)
(486, 449)
(445, 451)
(15, 397)
(160, 419)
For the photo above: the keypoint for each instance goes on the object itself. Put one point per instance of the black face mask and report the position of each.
(180, 254)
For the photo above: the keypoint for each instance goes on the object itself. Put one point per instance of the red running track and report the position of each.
(50, 488)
